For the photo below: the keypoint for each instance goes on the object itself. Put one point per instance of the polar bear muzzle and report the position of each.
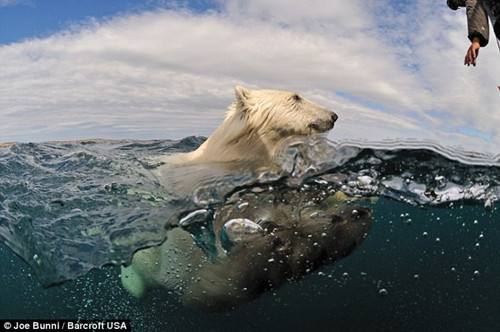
(321, 126)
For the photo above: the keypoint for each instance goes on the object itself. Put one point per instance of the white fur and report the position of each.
(257, 121)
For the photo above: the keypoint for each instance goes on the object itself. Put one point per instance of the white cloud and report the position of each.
(170, 73)
(5, 3)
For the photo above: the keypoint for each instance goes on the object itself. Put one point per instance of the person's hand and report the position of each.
(472, 53)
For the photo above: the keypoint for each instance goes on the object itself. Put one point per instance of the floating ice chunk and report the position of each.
(441, 181)
(365, 180)
(395, 183)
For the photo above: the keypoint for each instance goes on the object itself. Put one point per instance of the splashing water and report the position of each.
(66, 208)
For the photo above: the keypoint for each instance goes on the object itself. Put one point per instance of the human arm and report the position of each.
(477, 22)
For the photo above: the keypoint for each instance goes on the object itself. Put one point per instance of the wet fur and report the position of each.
(255, 124)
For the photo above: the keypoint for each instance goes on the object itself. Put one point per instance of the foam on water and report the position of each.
(66, 208)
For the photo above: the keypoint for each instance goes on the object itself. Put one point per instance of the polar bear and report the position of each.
(256, 125)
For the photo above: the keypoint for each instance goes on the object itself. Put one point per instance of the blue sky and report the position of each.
(21, 19)
(166, 68)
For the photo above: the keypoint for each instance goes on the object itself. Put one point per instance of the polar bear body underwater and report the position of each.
(255, 126)
(261, 241)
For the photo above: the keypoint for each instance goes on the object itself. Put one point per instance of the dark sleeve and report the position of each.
(477, 21)
(455, 4)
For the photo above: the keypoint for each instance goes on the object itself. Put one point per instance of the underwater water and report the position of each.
(74, 211)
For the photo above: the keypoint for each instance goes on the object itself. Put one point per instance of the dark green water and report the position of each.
(422, 268)
(430, 285)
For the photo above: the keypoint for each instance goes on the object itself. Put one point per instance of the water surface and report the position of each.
(430, 260)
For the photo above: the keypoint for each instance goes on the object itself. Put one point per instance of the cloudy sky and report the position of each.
(166, 69)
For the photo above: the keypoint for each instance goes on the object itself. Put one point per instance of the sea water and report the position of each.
(74, 211)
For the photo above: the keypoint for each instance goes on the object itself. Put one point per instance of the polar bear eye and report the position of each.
(296, 97)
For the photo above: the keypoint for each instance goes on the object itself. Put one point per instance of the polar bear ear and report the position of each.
(242, 94)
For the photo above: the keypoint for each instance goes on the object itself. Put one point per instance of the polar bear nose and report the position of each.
(334, 117)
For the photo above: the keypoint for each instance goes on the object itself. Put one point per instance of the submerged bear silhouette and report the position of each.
(255, 243)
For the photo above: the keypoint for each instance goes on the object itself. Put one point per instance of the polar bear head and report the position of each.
(279, 113)
(256, 124)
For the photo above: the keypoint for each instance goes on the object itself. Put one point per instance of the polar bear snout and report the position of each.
(322, 125)
(334, 117)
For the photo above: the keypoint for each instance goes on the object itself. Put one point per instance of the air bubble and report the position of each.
(383, 292)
